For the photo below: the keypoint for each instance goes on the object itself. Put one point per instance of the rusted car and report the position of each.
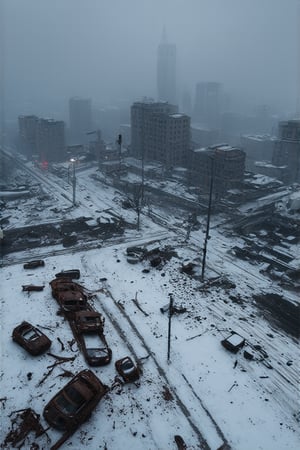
(31, 338)
(87, 327)
(94, 349)
(71, 301)
(127, 369)
(88, 321)
(34, 264)
(233, 342)
(74, 403)
(69, 295)
(64, 284)
(73, 274)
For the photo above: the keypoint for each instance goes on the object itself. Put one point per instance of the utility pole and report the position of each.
(208, 219)
(169, 324)
(143, 175)
(73, 161)
(119, 142)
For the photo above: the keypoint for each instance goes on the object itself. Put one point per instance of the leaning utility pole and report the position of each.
(119, 142)
(169, 324)
(208, 219)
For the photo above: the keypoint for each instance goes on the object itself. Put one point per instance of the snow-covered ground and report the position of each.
(205, 394)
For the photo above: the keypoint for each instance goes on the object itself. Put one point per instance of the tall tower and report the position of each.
(50, 140)
(80, 113)
(166, 71)
(207, 105)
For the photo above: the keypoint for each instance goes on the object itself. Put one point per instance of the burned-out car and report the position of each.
(71, 301)
(69, 295)
(233, 342)
(31, 338)
(34, 264)
(62, 284)
(74, 403)
(73, 274)
(94, 349)
(87, 326)
(127, 369)
(88, 321)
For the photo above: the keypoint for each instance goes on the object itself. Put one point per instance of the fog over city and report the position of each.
(107, 50)
(149, 224)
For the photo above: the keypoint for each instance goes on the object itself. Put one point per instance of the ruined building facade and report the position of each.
(50, 140)
(287, 150)
(225, 163)
(27, 135)
(42, 139)
(159, 133)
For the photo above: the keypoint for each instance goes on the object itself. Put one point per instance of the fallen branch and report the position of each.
(135, 301)
(66, 373)
(62, 358)
(25, 421)
(71, 343)
(197, 335)
(61, 343)
(234, 384)
(59, 360)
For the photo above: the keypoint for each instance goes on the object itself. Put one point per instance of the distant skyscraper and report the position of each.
(50, 140)
(287, 149)
(27, 134)
(207, 107)
(80, 113)
(166, 71)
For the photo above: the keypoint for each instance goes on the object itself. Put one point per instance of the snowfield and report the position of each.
(204, 393)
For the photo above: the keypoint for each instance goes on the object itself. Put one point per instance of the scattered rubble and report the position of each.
(32, 288)
(24, 422)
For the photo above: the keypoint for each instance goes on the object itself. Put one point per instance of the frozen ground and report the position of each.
(204, 393)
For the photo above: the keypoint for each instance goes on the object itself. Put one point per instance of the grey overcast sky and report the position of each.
(106, 50)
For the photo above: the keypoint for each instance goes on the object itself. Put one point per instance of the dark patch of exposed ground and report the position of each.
(280, 312)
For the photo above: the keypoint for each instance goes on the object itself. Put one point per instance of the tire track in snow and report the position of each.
(162, 373)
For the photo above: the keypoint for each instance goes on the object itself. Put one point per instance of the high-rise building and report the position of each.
(225, 163)
(80, 114)
(27, 134)
(50, 140)
(141, 113)
(166, 71)
(109, 120)
(207, 107)
(257, 148)
(159, 133)
(287, 149)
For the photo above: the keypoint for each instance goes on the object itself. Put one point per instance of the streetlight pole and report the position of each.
(73, 161)
(208, 219)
